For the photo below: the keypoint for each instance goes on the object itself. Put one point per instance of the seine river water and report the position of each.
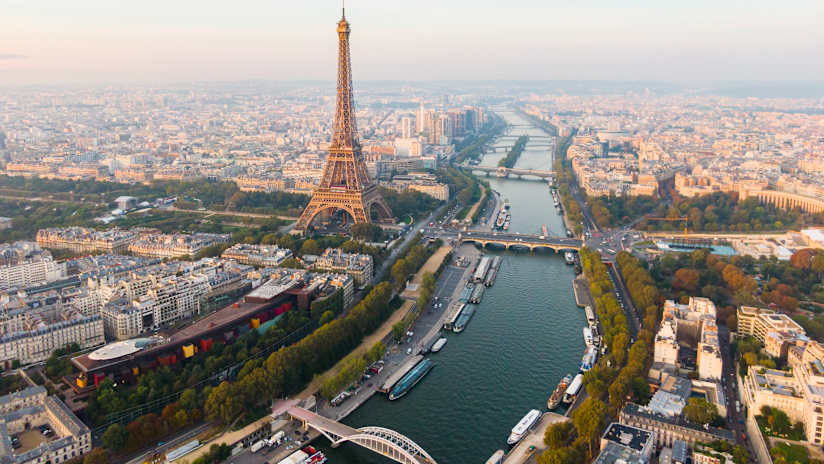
(525, 336)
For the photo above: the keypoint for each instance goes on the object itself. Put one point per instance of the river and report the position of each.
(525, 336)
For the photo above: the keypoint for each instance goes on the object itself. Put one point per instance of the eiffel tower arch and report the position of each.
(345, 184)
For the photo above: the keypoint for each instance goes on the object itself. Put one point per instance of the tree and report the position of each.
(188, 399)
(564, 455)
(589, 420)
(97, 456)
(375, 352)
(327, 316)
(559, 434)
(400, 272)
(700, 411)
(292, 263)
(223, 404)
(596, 388)
(686, 279)
(398, 330)
(115, 437)
(310, 247)
(366, 231)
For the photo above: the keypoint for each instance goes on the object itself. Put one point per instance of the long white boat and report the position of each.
(523, 426)
(439, 344)
(574, 388)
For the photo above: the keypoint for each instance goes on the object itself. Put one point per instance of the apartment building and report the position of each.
(27, 410)
(424, 184)
(85, 240)
(175, 245)
(624, 444)
(257, 255)
(359, 266)
(667, 430)
(799, 393)
(43, 336)
(694, 321)
(39, 271)
(154, 303)
(702, 454)
(778, 332)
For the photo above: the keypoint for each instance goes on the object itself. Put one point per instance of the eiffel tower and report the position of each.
(345, 184)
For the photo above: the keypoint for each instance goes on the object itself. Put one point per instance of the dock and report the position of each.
(398, 374)
(580, 286)
(521, 453)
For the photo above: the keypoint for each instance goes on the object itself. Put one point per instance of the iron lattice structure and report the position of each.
(345, 184)
(385, 442)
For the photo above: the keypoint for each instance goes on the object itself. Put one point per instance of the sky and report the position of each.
(152, 41)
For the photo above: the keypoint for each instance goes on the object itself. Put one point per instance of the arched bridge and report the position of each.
(533, 242)
(383, 441)
(531, 137)
(501, 171)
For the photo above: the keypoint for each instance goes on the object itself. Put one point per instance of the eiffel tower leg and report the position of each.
(312, 209)
(383, 212)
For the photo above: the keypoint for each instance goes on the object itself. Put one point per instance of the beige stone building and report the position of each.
(53, 434)
(776, 331)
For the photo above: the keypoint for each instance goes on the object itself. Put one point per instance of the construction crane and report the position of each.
(676, 219)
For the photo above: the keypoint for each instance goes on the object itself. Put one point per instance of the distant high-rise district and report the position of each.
(454, 271)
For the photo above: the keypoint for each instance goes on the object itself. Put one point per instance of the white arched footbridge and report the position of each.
(383, 441)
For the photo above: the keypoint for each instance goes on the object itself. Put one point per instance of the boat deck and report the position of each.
(398, 374)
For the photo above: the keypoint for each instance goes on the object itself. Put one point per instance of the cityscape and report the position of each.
(584, 256)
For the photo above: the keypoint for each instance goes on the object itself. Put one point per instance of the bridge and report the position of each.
(508, 240)
(383, 441)
(531, 137)
(531, 146)
(501, 171)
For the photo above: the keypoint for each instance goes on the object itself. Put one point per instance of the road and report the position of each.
(169, 445)
(625, 301)
(730, 384)
(393, 255)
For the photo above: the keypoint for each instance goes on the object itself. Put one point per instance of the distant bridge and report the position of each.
(531, 146)
(501, 171)
(532, 242)
(383, 441)
(531, 137)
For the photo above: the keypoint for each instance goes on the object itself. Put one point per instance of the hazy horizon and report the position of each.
(93, 42)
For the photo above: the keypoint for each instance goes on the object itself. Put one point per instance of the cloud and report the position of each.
(12, 56)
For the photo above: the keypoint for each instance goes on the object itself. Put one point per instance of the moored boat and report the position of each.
(411, 379)
(558, 394)
(523, 426)
(463, 319)
(588, 339)
(573, 388)
(439, 345)
(589, 358)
